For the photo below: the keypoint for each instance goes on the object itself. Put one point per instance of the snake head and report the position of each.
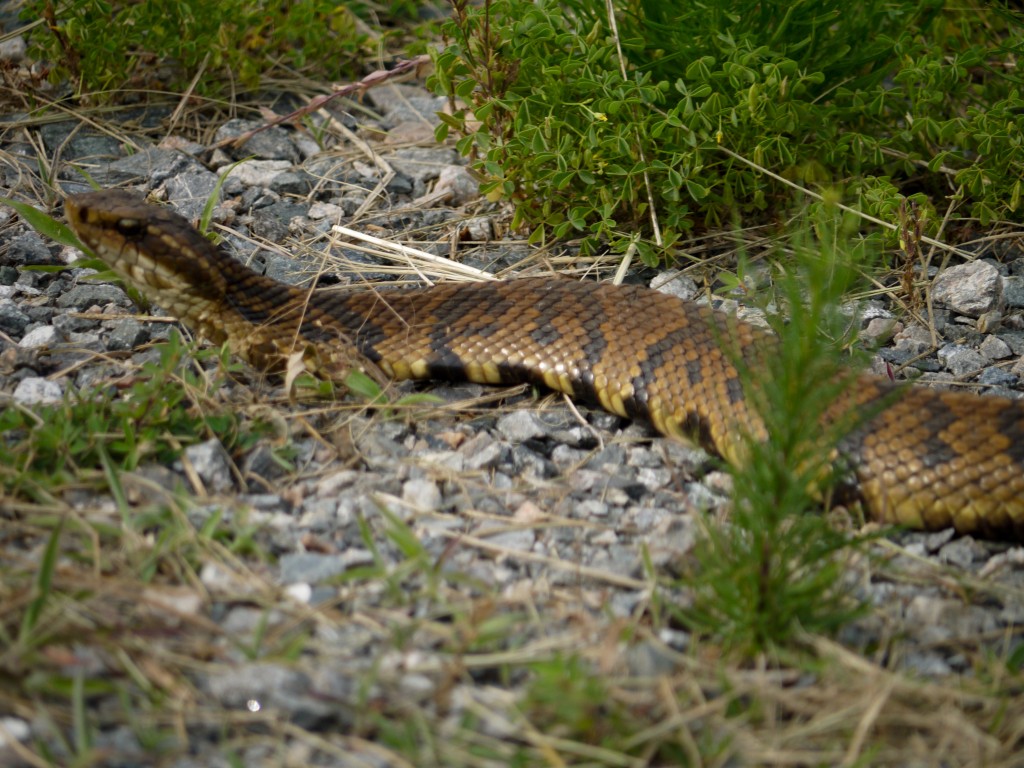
(152, 248)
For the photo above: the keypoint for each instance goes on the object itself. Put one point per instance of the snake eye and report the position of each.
(130, 227)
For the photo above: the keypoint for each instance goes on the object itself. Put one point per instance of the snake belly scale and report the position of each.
(924, 458)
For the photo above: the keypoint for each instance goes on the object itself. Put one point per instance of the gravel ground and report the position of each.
(553, 510)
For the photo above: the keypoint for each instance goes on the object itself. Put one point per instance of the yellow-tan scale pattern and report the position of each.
(935, 459)
(569, 336)
(926, 459)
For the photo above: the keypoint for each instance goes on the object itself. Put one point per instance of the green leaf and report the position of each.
(44, 583)
(697, 191)
(44, 224)
(464, 90)
(361, 385)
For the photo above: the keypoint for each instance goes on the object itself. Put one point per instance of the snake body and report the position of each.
(922, 458)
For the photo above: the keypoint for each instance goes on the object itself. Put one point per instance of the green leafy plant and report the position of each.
(777, 567)
(589, 144)
(105, 45)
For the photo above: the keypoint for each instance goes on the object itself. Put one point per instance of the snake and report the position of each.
(920, 458)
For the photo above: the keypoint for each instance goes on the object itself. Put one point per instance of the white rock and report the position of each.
(970, 289)
(43, 336)
(259, 172)
(38, 391)
(422, 494)
(13, 49)
(995, 348)
(675, 283)
(15, 728)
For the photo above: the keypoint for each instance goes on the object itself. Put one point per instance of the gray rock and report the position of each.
(1014, 340)
(13, 321)
(271, 144)
(292, 183)
(614, 455)
(590, 508)
(40, 315)
(964, 552)
(401, 184)
(213, 465)
(127, 334)
(641, 456)
(325, 211)
(997, 377)
(960, 360)
(916, 335)
(866, 311)
(532, 465)
(403, 103)
(940, 619)
(970, 289)
(522, 540)
(995, 348)
(266, 685)
(90, 341)
(483, 452)
(311, 568)
(521, 425)
(28, 248)
(1013, 291)
(260, 173)
(246, 623)
(67, 324)
(451, 460)
(190, 191)
(478, 229)
(335, 482)
(152, 167)
(654, 477)
(417, 688)
(564, 456)
(878, 331)
(83, 296)
(31, 283)
(927, 665)
(422, 163)
(75, 143)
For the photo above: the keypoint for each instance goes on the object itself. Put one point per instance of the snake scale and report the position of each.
(923, 458)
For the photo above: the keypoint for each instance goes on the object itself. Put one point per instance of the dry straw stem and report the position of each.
(416, 262)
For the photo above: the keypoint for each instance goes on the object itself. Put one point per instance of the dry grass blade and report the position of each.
(415, 261)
